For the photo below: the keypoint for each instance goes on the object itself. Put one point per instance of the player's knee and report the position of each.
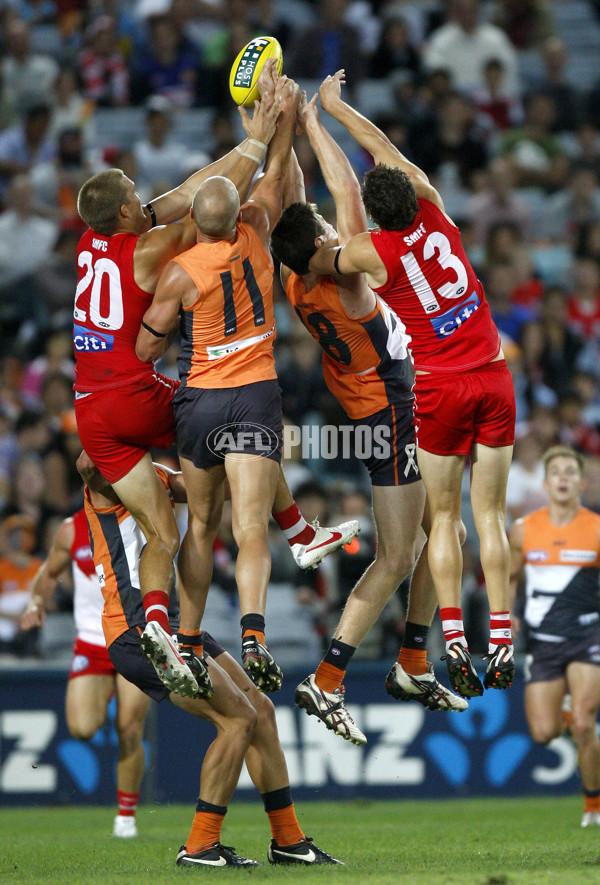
(82, 731)
(583, 728)
(129, 736)
(544, 732)
(265, 711)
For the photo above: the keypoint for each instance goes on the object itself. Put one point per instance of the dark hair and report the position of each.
(390, 197)
(100, 199)
(293, 239)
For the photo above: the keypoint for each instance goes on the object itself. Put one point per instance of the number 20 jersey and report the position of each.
(109, 306)
(435, 292)
(562, 575)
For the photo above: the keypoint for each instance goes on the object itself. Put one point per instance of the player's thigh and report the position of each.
(227, 705)
(86, 703)
(205, 491)
(253, 482)
(442, 475)
(132, 706)
(583, 682)
(489, 475)
(144, 495)
(398, 513)
(543, 704)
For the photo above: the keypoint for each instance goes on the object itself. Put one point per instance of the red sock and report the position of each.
(500, 630)
(294, 526)
(156, 606)
(128, 803)
(452, 625)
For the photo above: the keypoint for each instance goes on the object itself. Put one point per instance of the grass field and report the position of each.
(471, 842)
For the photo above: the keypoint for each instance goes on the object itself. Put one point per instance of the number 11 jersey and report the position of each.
(108, 311)
(435, 292)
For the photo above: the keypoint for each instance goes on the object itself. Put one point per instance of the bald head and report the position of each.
(216, 207)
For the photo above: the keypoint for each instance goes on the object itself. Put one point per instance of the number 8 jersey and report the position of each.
(435, 292)
(109, 306)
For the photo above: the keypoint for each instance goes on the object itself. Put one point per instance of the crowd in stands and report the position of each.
(499, 102)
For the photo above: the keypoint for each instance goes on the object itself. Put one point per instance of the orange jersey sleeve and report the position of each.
(227, 335)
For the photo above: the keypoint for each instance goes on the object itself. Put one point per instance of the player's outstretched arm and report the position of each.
(371, 138)
(241, 161)
(264, 206)
(44, 582)
(358, 255)
(293, 183)
(160, 320)
(338, 173)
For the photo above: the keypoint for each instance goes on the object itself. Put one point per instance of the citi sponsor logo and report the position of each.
(243, 439)
(91, 342)
(447, 323)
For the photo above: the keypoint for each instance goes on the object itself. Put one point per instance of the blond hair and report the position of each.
(561, 452)
(101, 198)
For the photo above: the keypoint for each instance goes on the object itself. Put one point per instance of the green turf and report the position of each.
(471, 842)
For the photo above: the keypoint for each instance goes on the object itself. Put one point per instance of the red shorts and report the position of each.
(90, 660)
(118, 426)
(453, 410)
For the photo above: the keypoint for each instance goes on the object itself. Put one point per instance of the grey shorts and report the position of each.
(210, 424)
(546, 661)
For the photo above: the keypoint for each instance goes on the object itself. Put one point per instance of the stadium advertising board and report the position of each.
(410, 752)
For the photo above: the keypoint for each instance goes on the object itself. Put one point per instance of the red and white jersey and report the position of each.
(435, 292)
(109, 306)
(87, 596)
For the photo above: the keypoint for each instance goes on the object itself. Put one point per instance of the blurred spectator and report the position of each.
(102, 66)
(303, 360)
(527, 23)
(573, 207)
(57, 182)
(56, 280)
(327, 46)
(590, 492)
(568, 100)
(497, 202)
(525, 489)
(537, 158)
(158, 156)
(584, 301)
(71, 109)
(559, 347)
(463, 46)
(169, 67)
(266, 17)
(500, 282)
(504, 246)
(27, 78)
(395, 50)
(24, 145)
(17, 570)
(497, 109)
(57, 357)
(587, 241)
(453, 149)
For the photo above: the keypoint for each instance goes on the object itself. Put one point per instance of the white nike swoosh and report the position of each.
(221, 862)
(310, 856)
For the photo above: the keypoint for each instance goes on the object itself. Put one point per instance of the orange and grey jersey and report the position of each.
(117, 543)
(366, 364)
(562, 573)
(227, 334)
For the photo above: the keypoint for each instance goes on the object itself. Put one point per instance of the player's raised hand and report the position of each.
(289, 94)
(307, 110)
(330, 90)
(263, 123)
(268, 77)
(34, 615)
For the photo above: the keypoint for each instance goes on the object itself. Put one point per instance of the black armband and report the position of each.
(150, 209)
(336, 261)
(153, 331)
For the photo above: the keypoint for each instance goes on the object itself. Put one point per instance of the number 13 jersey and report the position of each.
(227, 334)
(109, 306)
(435, 292)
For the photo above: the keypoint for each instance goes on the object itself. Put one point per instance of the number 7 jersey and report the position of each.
(435, 292)
(109, 306)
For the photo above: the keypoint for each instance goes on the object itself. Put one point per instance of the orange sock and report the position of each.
(413, 660)
(195, 640)
(259, 635)
(329, 677)
(206, 829)
(285, 828)
(592, 803)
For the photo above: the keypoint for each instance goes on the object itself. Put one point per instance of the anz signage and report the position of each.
(410, 751)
